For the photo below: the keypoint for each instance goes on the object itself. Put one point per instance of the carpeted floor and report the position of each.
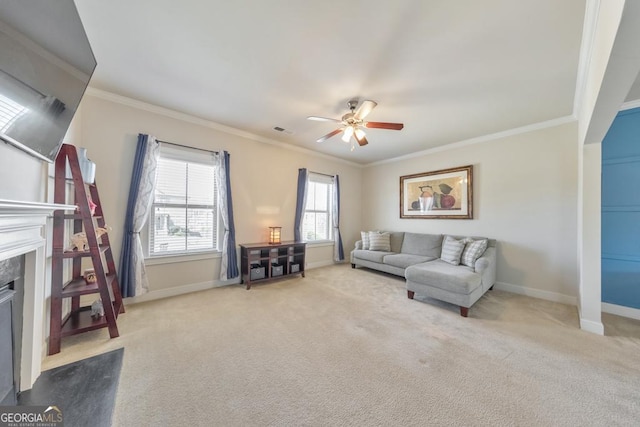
(346, 347)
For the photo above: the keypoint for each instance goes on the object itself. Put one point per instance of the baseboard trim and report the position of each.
(585, 325)
(537, 293)
(620, 310)
(319, 264)
(591, 326)
(179, 290)
(195, 287)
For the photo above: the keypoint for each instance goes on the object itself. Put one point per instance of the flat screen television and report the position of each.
(46, 63)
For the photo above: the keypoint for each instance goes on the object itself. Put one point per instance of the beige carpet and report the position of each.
(346, 347)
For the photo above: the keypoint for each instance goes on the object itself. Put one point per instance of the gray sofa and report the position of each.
(416, 257)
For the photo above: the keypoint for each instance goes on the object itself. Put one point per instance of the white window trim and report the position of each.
(319, 243)
(329, 180)
(172, 259)
(182, 153)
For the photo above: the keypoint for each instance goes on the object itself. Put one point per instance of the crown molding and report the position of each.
(630, 104)
(134, 103)
(480, 139)
(151, 108)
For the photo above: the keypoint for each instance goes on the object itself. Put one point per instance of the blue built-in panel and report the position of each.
(619, 141)
(621, 211)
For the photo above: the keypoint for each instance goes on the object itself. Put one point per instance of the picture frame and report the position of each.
(441, 194)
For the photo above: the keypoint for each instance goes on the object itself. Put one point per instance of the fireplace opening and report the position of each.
(11, 312)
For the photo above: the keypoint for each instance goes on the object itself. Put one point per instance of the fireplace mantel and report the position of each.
(23, 231)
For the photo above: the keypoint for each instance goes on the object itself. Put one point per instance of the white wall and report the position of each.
(589, 243)
(21, 175)
(524, 195)
(263, 179)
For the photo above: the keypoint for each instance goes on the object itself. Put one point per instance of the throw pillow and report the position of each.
(472, 251)
(365, 239)
(452, 250)
(379, 241)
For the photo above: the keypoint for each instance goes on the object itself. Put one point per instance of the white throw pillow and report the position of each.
(472, 251)
(452, 250)
(365, 239)
(379, 241)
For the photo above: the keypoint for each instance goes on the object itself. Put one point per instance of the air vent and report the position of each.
(283, 130)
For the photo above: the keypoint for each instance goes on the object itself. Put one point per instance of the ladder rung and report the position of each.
(78, 216)
(80, 321)
(77, 287)
(76, 254)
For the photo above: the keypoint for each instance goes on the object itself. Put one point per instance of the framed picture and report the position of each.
(443, 194)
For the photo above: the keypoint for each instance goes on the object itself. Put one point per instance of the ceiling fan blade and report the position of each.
(364, 109)
(361, 140)
(323, 119)
(383, 125)
(329, 135)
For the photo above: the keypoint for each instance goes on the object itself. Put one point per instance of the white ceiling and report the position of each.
(449, 70)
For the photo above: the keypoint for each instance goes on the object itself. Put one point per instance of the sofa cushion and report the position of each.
(440, 274)
(405, 260)
(396, 240)
(373, 256)
(422, 244)
(379, 241)
(365, 239)
(472, 251)
(452, 250)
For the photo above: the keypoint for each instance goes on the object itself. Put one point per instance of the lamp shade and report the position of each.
(348, 133)
(274, 235)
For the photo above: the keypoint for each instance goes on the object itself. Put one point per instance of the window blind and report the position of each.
(316, 223)
(185, 214)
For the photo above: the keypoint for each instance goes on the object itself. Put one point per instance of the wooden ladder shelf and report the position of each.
(79, 319)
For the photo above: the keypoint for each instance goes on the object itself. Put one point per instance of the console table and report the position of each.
(265, 261)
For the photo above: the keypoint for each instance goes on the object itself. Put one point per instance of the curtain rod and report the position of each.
(324, 174)
(186, 146)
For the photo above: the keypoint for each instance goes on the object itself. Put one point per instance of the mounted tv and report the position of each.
(46, 63)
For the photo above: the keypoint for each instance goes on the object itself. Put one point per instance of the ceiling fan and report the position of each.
(353, 122)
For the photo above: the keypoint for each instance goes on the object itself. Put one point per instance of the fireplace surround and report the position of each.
(24, 231)
(11, 291)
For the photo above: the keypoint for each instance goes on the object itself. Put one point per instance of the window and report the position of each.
(317, 221)
(185, 211)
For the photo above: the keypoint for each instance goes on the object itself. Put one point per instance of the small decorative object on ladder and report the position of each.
(97, 310)
(90, 276)
(79, 240)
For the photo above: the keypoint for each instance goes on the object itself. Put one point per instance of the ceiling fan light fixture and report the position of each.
(348, 133)
(352, 122)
